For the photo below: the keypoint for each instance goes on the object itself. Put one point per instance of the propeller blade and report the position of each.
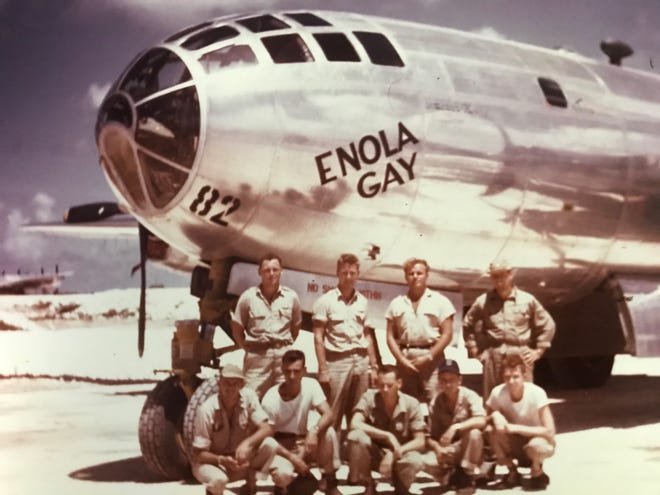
(144, 236)
(92, 212)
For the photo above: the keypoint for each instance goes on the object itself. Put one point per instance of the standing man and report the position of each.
(456, 441)
(288, 406)
(387, 434)
(506, 319)
(419, 327)
(523, 425)
(343, 341)
(232, 438)
(266, 322)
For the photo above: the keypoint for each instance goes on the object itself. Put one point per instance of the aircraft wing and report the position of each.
(124, 226)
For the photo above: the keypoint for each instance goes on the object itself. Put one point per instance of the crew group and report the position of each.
(262, 419)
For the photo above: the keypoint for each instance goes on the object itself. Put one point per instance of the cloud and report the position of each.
(24, 246)
(96, 93)
(490, 32)
(43, 207)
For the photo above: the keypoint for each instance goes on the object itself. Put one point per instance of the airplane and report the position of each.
(312, 133)
(43, 283)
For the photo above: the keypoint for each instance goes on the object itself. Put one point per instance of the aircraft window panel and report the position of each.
(209, 36)
(188, 30)
(263, 23)
(163, 181)
(308, 19)
(168, 126)
(337, 47)
(121, 164)
(157, 69)
(228, 55)
(487, 80)
(287, 49)
(379, 48)
(552, 92)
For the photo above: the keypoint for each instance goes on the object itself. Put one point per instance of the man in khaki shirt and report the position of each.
(266, 322)
(343, 343)
(505, 320)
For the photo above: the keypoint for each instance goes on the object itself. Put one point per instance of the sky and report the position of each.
(59, 57)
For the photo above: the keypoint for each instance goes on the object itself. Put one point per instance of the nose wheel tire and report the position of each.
(160, 430)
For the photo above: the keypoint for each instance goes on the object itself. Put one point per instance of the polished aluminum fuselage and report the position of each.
(456, 157)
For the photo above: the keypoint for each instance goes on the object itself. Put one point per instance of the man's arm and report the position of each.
(546, 430)
(358, 422)
(238, 333)
(296, 318)
(247, 446)
(417, 444)
(319, 346)
(446, 333)
(470, 321)
(395, 349)
(369, 335)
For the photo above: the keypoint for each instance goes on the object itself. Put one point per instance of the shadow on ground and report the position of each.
(133, 470)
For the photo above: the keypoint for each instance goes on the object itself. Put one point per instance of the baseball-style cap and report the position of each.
(498, 266)
(231, 371)
(449, 365)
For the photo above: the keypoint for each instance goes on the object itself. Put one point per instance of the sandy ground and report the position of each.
(80, 437)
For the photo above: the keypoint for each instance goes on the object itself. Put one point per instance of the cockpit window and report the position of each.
(188, 30)
(287, 49)
(162, 180)
(263, 23)
(209, 36)
(226, 56)
(552, 92)
(168, 126)
(379, 48)
(156, 70)
(336, 47)
(308, 19)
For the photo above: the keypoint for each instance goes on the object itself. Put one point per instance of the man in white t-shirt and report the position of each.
(288, 406)
(419, 327)
(523, 428)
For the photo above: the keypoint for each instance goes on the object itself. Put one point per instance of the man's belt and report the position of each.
(262, 346)
(359, 351)
(426, 345)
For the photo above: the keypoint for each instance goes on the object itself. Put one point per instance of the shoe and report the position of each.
(462, 482)
(304, 484)
(511, 480)
(370, 489)
(537, 483)
(328, 484)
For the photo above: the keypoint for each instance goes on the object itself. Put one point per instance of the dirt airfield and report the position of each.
(73, 437)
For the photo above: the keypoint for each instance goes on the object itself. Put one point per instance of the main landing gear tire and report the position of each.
(581, 371)
(206, 389)
(160, 431)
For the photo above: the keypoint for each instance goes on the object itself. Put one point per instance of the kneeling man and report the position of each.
(387, 434)
(456, 441)
(523, 428)
(233, 438)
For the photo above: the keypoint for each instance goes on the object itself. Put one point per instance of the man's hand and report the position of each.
(421, 361)
(299, 465)
(499, 421)
(448, 436)
(396, 446)
(230, 463)
(406, 363)
(243, 452)
(311, 443)
(530, 356)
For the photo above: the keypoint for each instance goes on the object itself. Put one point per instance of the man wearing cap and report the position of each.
(266, 322)
(232, 436)
(343, 342)
(455, 442)
(419, 327)
(506, 319)
(387, 434)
